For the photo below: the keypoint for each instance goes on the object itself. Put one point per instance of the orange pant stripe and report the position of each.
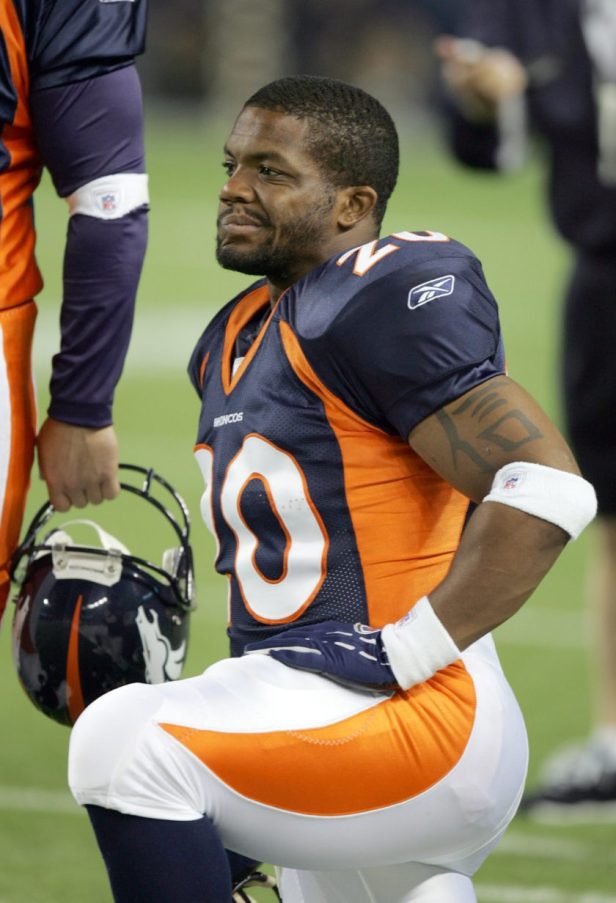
(380, 757)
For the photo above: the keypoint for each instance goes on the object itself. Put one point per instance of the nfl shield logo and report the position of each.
(109, 202)
(512, 482)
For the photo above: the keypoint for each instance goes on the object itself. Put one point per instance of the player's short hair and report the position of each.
(354, 138)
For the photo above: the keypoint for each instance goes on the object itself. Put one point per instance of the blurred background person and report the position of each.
(552, 63)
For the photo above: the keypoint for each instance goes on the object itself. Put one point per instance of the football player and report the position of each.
(383, 495)
(70, 100)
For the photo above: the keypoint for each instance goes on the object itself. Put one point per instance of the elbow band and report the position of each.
(110, 197)
(562, 498)
(418, 645)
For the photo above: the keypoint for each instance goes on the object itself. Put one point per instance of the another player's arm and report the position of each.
(504, 552)
(97, 164)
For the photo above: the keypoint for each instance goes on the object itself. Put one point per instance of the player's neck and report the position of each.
(339, 244)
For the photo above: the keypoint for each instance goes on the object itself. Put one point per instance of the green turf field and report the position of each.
(46, 852)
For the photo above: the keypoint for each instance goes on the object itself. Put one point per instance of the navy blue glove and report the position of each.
(351, 654)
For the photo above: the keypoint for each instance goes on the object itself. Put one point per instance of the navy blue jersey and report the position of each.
(320, 507)
(71, 40)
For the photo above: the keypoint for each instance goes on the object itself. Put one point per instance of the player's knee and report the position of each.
(106, 734)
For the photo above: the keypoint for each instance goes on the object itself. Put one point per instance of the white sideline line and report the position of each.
(59, 802)
(537, 846)
(162, 340)
(543, 628)
(494, 893)
(545, 847)
(34, 799)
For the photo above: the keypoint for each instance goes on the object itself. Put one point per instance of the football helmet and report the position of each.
(90, 618)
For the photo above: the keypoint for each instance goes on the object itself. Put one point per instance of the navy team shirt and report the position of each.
(319, 506)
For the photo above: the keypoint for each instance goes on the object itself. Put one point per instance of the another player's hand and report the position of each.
(350, 654)
(79, 464)
(478, 77)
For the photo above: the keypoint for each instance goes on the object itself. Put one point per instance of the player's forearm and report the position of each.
(503, 556)
(90, 136)
(102, 266)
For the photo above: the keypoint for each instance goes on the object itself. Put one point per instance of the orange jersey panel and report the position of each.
(407, 520)
(19, 275)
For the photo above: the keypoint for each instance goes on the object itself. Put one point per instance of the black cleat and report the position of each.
(254, 879)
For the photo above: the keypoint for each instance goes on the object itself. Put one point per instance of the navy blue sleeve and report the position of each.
(102, 266)
(71, 40)
(8, 99)
(412, 342)
(85, 131)
(90, 129)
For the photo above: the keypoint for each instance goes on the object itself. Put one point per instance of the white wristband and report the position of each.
(418, 645)
(562, 498)
(110, 197)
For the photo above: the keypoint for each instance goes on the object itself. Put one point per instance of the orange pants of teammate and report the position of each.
(17, 429)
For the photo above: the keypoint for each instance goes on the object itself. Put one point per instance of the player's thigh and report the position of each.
(299, 771)
(408, 882)
(136, 748)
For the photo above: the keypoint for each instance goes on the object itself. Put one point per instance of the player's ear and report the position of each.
(355, 203)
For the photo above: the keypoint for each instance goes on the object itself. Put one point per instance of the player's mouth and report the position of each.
(238, 225)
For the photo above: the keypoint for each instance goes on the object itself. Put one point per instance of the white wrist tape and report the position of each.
(562, 498)
(110, 197)
(418, 645)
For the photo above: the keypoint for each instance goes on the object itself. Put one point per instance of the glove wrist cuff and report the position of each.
(418, 645)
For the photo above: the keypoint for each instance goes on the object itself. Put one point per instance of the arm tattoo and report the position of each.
(512, 430)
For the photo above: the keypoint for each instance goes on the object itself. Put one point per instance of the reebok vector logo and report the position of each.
(428, 291)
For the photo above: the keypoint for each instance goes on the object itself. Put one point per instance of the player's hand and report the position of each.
(351, 654)
(479, 78)
(79, 464)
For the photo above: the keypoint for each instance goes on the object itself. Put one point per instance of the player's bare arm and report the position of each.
(504, 552)
(498, 422)
(494, 434)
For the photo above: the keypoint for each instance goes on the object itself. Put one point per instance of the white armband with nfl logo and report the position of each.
(110, 197)
(418, 645)
(562, 498)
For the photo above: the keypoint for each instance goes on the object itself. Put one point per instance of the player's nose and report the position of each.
(237, 187)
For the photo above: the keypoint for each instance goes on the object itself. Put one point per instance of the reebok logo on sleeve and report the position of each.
(428, 291)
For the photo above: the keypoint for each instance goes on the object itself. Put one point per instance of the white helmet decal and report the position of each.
(162, 662)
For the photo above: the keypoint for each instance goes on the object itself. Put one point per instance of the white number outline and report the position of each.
(269, 600)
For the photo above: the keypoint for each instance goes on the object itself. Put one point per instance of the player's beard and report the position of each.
(279, 260)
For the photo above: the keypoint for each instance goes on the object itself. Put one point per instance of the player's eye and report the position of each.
(268, 171)
(228, 166)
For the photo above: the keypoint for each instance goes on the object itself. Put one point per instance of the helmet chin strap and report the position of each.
(106, 540)
(70, 563)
